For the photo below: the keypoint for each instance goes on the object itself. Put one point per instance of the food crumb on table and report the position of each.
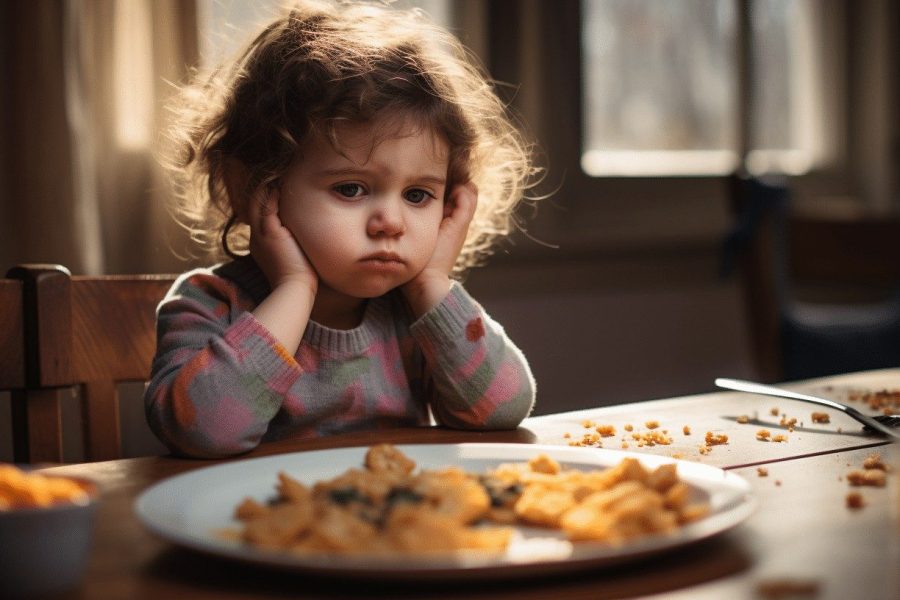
(762, 472)
(855, 501)
(870, 477)
(880, 400)
(789, 423)
(716, 439)
(787, 588)
(873, 461)
(651, 438)
(606, 430)
(820, 417)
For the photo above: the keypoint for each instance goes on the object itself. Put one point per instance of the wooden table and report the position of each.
(802, 534)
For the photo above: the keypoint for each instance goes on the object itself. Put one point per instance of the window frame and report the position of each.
(537, 45)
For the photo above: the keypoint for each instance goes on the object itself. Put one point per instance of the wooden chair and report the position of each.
(12, 332)
(90, 332)
(12, 335)
(822, 293)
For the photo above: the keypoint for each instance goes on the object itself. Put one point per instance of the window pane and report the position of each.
(772, 67)
(787, 118)
(659, 86)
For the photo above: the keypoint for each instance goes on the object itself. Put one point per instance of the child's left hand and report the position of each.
(430, 286)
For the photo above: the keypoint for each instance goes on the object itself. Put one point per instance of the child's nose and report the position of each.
(386, 219)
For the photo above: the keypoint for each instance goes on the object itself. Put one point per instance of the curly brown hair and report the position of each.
(318, 65)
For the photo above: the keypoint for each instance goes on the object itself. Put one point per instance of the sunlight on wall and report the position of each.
(133, 73)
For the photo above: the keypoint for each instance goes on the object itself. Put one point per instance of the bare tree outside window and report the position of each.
(661, 84)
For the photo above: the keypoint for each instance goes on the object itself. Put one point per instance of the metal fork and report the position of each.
(879, 423)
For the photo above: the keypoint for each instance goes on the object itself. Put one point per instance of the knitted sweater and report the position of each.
(221, 382)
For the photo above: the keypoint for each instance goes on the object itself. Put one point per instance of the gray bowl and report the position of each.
(45, 550)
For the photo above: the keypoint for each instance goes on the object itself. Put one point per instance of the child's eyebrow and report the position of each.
(349, 171)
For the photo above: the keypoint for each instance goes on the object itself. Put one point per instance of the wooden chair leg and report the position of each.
(37, 410)
(100, 405)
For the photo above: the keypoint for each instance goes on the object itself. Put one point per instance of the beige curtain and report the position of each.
(83, 121)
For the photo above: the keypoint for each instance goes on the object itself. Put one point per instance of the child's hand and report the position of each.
(430, 286)
(274, 247)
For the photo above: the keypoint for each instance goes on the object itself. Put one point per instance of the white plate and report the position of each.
(189, 509)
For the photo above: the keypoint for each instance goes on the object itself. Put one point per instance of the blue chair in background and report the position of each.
(822, 293)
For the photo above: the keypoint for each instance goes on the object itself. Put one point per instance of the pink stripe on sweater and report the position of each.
(468, 368)
(226, 421)
(503, 388)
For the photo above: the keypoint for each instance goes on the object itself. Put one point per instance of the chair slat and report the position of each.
(115, 321)
(37, 426)
(854, 251)
(12, 335)
(102, 432)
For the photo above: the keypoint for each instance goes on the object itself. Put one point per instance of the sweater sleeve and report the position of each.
(480, 378)
(219, 376)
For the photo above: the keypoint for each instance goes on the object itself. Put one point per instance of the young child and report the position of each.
(365, 163)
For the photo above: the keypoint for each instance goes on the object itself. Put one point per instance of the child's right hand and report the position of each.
(274, 247)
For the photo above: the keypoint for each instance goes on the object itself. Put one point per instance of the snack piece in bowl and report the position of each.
(389, 508)
(19, 489)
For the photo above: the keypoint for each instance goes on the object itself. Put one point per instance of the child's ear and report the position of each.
(237, 179)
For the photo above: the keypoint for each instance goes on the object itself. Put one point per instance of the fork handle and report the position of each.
(769, 390)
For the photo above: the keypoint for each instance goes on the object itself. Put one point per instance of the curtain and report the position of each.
(83, 119)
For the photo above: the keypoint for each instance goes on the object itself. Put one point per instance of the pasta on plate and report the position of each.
(388, 507)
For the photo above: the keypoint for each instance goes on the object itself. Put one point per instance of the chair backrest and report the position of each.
(13, 355)
(756, 245)
(91, 332)
(12, 334)
(860, 251)
(788, 255)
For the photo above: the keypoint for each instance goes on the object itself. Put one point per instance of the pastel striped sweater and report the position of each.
(221, 382)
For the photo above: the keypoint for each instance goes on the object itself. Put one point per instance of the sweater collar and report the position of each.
(249, 277)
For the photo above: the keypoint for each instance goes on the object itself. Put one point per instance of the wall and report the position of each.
(619, 330)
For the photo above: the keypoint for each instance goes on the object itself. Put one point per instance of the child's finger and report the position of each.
(463, 201)
(268, 199)
(254, 210)
(264, 213)
(468, 195)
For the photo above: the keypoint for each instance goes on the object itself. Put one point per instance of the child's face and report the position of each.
(367, 221)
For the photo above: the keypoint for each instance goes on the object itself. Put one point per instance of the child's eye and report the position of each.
(349, 190)
(417, 196)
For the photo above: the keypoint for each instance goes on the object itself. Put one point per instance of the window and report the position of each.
(663, 89)
(225, 25)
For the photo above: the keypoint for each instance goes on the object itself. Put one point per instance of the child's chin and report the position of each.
(367, 290)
